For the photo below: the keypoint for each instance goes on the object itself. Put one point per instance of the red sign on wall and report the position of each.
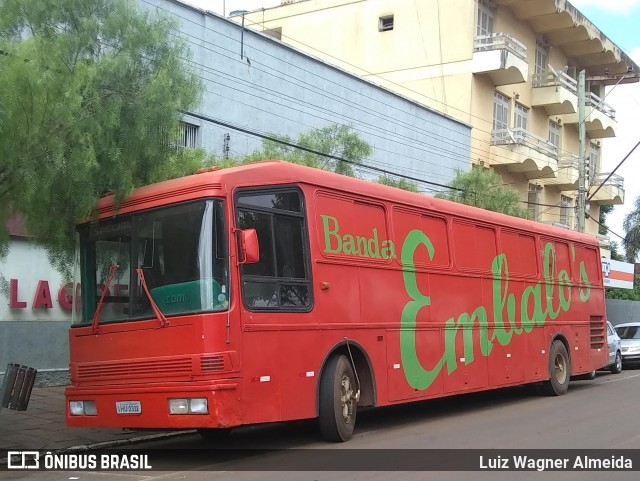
(42, 296)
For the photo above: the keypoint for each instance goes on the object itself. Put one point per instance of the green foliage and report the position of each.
(333, 140)
(631, 226)
(604, 211)
(615, 255)
(398, 183)
(91, 101)
(623, 294)
(483, 188)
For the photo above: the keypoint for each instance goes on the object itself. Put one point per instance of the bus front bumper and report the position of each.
(171, 406)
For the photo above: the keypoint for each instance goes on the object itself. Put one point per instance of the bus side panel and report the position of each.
(382, 295)
(579, 342)
(588, 297)
(339, 301)
(455, 304)
(536, 356)
(261, 379)
(299, 357)
(508, 363)
(427, 345)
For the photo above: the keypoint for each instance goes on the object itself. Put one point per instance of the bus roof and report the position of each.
(220, 182)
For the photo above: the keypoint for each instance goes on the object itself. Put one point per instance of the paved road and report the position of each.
(595, 414)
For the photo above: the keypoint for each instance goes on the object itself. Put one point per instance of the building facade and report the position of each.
(254, 83)
(255, 86)
(507, 67)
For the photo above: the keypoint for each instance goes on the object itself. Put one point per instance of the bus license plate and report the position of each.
(128, 407)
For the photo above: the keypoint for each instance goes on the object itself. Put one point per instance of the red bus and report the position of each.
(273, 292)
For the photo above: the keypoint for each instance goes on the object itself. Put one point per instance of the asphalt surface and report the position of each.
(599, 414)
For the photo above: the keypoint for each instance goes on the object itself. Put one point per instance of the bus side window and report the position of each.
(281, 279)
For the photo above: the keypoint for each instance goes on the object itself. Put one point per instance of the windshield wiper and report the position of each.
(164, 322)
(96, 315)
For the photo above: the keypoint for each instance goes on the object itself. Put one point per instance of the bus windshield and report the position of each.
(180, 252)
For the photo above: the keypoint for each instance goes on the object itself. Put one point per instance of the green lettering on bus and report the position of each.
(504, 303)
(359, 246)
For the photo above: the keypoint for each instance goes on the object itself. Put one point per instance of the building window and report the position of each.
(385, 23)
(533, 201)
(554, 134)
(189, 137)
(274, 32)
(500, 112)
(542, 58)
(486, 13)
(520, 117)
(566, 204)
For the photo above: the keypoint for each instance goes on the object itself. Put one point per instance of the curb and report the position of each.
(122, 442)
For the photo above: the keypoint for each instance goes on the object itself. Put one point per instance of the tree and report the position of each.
(483, 188)
(334, 140)
(623, 294)
(398, 183)
(615, 255)
(631, 226)
(605, 210)
(91, 101)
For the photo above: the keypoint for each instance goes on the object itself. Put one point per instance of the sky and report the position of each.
(617, 19)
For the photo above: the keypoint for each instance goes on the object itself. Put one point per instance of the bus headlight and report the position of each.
(196, 405)
(83, 408)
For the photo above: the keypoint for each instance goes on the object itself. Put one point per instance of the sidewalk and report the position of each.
(42, 426)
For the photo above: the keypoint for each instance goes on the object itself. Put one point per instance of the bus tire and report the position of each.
(616, 367)
(559, 370)
(337, 400)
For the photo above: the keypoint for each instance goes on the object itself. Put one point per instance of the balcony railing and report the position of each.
(566, 161)
(496, 41)
(556, 223)
(597, 103)
(571, 161)
(551, 78)
(521, 136)
(615, 180)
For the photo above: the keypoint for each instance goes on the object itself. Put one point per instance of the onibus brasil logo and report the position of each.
(548, 301)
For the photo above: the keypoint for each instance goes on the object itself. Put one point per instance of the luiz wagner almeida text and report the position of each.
(580, 462)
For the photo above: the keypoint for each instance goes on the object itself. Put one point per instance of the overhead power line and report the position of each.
(288, 77)
(613, 171)
(611, 232)
(451, 155)
(316, 152)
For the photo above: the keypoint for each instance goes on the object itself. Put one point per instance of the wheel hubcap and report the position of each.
(346, 398)
(560, 369)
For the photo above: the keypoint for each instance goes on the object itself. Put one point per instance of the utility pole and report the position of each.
(581, 152)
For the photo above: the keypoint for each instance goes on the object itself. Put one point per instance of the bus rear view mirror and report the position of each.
(249, 247)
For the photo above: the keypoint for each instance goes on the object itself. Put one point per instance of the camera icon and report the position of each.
(23, 460)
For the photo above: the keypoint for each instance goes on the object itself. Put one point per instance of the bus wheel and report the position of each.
(214, 434)
(337, 403)
(559, 370)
